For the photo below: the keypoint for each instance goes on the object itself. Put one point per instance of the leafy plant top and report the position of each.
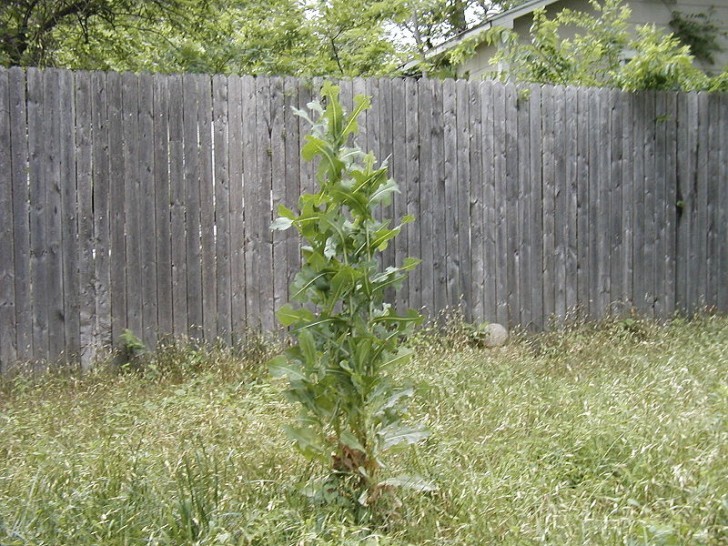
(348, 337)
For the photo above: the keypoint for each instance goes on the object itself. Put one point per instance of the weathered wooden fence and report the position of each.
(143, 202)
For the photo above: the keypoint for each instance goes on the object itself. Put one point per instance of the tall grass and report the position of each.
(607, 434)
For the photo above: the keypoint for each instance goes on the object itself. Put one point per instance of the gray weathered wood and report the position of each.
(293, 173)
(278, 192)
(8, 341)
(424, 222)
(616, 231)
(177, 207)
(21, 213)
(561, 220)
(222, 219)
(207, 209)
(549, 201)
(660, 203)
(252, 200)
(722, 218)
(399, 173)
(54, 213)
(144, 202)
(162, 200)
(493, 156)
(238, 311)
(38, 213)
(462, 203)
(571, 188)
(147, 208)
(84, 198)
(190, 84)
(412, 195)
(262, 213)
(512, 205)
(439, 241)
(535, 219)
(476, 194)
(452, 233)
(604, 151)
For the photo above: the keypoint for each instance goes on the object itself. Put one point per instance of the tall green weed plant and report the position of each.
(348, 338)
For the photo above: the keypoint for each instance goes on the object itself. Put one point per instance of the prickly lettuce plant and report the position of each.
(347, 337)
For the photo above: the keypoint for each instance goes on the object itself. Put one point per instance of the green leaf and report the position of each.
(281, 224)
(397, 434)
(289, 316)
(280, 366)
(350, 441)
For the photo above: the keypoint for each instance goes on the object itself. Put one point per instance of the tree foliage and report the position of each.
(280, 37)
(578, 48)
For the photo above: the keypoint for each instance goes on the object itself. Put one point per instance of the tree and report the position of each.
(32, 32)
(593, 55)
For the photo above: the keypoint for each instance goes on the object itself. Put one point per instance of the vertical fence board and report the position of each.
(525, 209)
(571, 188)
(702, 212)
(411, 152)
(54, 234)
(512, 205)
(207, 209)
(462, 205)
(549, 202)
(177, 201)
(251, 200)
(84, 197)
(713, 204)
(476, 192)
(70, 305)
(615, 225)
(38, 214)
(192, 179)
(670, 201)
(500, 226)
(627, 107)
(437, 150)
(424, 222)
(452, 233)
(399, 172)
(583, 271)
(278, 194)
(722, 219)
(162, 199)
(597, 182)
(262, 211)
(222, 217)
(560, 221)
(660, 192)
(132, 202)
(293, 173)
(117, 207)
(8, 341)
(147, 224)
(650, 233)
(534, 274)
(17, 103)
(238, 310)
(605, 190)
(101, 208)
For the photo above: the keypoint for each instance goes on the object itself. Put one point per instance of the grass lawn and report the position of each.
(609, 434)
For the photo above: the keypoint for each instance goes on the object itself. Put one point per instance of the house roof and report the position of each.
(504, 19)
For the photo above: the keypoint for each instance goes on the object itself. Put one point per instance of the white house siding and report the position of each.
(658, 12)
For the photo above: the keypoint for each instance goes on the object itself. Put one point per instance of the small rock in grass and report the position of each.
(495, 335)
